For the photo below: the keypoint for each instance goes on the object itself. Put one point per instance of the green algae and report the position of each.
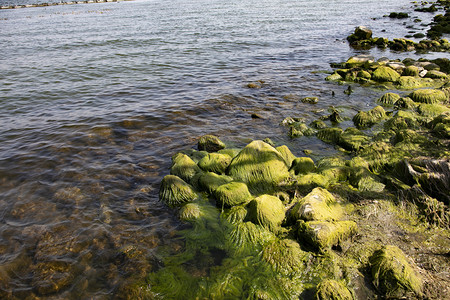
(247, 237)
(286, 154)
(267, 211)
(366, 119)
(215, 162)
(323, 234)
(190, 212)
(285, 256)
(174, 191)
(330, 135)
(383, 74)
(184, 167)
(302, 165)
(210, 143)
(330, 289)
(231, 194)
(388, 99)
(210, 181)
(429, 96)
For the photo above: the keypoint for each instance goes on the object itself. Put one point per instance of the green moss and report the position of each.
(364, 74)
(267, 211)
(195, 155)
(248, 238)
(432, 110)
(231, 194)
(335, 174)
(330, 289)
(367, 119)
(184, 167)
(285, 256)
(409, 82)
(436, 74)
(286, 154)
(318, 124)
(210, 143)
(210, 181)
(331, 161)
(174, 191)
(353, 139)
(392, 274)
(318, 205)
(303, 165)
(301, 129)
(370, 184)
(190, 212)
(388, 99)
(385, 74)
(215, 162)
(411, 71)
(309, 181)
(405, 103)
(231, 152)
(334, 77)
(429, 96)
(330, 135)
(402, 120)
(236, 214)
(260, 166)
(322, 234)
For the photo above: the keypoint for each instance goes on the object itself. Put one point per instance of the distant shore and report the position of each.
(58, 3)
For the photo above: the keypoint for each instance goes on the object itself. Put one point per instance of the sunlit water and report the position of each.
(95, 98)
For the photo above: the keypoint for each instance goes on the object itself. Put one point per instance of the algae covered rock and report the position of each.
(285, 256)
(330, 135)
(260, 166)
(322, 234)
(385, 74)
(316, 206)
(210, 181)
(267, 211)
(409, 82)
(353, 139)
(302, 165)
(231, 194)
(247, 237)
(236, 214)
(330, 289)
(393, 275)
(175, 191)
(210, 143)
(411, 71)
(190, 212)
(366, 119)
(429, 96)
(287, 154)
(215, 162)
(388, 99)
(184, 167)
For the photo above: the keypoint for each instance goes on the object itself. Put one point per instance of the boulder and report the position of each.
(330, 135)
(302, 165)
(330, 289)
(361, 33)
(409, 82)
(411, 71)
(316, 206)
(267, 211)
(175, 191)
(215, 162)
(323, 234)
(184, 167)
(429, 96)
(385, 74)
(210, 181)
(287, 154)
(210, 143)
(231, 194)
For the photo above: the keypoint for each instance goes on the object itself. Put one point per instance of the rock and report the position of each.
(385, 74)
(267, 211)
(367, 119)
(246, 237)
(411, 71)
(190, 212)
(436, 74)
(175, 191)
(318, 205)
(287, 154)
(361, 33)
(285, 256)
(388, 99)
(210, 181)
(359, 60)
(353, 139)
(231, 152)
(318, 124)
(184, 167)
(334, 77)
(322, 234)
(393, 275)
(409, 82)
(429, 96)
(330, 135)
(330, 289)
(210, 143)
(236, 214)
(405, 103)
(309, 181)
(310, 100)
(231, 194)
(432, 110)
(301, 129)
(260, 166)
(215, 162)
(52, 277)
(302, 165)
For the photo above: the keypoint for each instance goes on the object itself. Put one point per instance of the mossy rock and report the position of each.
(393, 275)
(318, 205)
(210, 181)
(411, 71)
(330, 135)
(318, 124)
(322, 234)
(436, 74)
(267, 211)
(409, 82)
(330, 289)
(287, 154)
(190, 212)
(174, 191)
(309, 181)
(442, 130)
(370, 184)
(432, 110)
(364, 74)
(429, 96)
(310, 100)
(231, 152)
(330, 161)
(335, 174)
(236, 214)
(334, 77)
(215, 162)
(301, 129)
(367, 119)
(353, 139)
(260, 166)
(231, 194)
(385, 74)
(405, 103)
(247, 237)
(195, 155)
(402, 120)
(184, 167)
(388, 99)
(285, 256)
(302, 165)
(210, 143)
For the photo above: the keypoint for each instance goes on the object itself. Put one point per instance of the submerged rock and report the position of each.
(210, 143)
(393, 275)
(175, 191)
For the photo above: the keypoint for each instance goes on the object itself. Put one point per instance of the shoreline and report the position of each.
(59, 3)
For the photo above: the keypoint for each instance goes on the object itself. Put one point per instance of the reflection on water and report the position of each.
(96, 98)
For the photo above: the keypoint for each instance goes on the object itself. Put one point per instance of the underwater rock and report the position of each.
(210, 143)
(285, 256)
(318, 124)
(210, 181)
(316, 206)
(287, 154)
(302, 165)
(392, 274)
(52, 276)
(231, 194)
(429, 96)
(260, 166)
(385, 74)
(322, 234)
(184, 167)
(190, 212)
(300, 129)
(215, 162)
(330, 289)
(267, 211)
(175, 191)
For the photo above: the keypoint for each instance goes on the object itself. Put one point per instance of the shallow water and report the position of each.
(96, 98)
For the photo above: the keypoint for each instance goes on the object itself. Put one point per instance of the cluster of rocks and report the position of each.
(362, 39)
(406, 74)
(57, 3)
